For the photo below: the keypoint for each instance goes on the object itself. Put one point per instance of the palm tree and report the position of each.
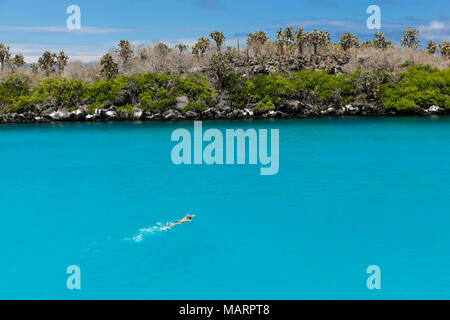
(18, 61)
(109, 68)
(410, 38)
(5, 55)
(280, 41)
(285, 39)
(432, 47)
(318, 39)
(125, 52)
(379, 41)
(61, 61)
(301, 39)
(256, 40)
(444, 49)
(221, 64)
(201, 46)
(219, 39)
(34, 67)
(347, 41)
(47, 62)
(162, 49)
(181, 48)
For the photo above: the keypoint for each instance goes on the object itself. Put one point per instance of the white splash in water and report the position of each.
(159, 227)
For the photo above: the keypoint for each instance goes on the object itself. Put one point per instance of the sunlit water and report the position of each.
(350, 193)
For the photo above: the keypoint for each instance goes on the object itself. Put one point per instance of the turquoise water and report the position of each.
(350, 193)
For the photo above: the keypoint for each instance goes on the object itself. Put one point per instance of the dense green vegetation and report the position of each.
(258, 78)
(418, 86)
(269, 90)
(154, 91)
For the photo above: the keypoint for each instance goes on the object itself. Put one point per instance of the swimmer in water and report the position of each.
(188, 218)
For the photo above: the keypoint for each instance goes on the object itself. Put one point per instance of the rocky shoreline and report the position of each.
(290, 109)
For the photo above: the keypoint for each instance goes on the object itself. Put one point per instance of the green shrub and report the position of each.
(268, 91)
(367, 84)
(161, 105)
(21, 104)
(419, 86)
(160, 91)
(196, 106)
(13, 88)
(236, 89)
(68, 93)
(261, 89)
(194, 86)
(265, 105)
(323, 87)
(103, 91)
(128, 108)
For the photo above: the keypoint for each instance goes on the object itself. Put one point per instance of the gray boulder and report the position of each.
(127, 95)
(124, 115)
(47, 112)
(60, 115)
(154, 116)
(78, 114)
(170, 115)
(292, 106)
(191, 114)
(182, 102)
(210, 112)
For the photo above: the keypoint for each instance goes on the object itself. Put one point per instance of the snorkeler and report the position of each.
(188, 218)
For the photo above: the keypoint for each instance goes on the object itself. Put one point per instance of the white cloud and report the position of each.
(170, 42)
(435, 30)
(84, 59)
(437, 25)
(63, 29)
(232, 42)
(83, 53)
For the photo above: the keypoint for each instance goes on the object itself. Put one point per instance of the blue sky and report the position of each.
(30, 27)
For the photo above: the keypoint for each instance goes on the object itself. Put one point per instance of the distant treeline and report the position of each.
(289, 43)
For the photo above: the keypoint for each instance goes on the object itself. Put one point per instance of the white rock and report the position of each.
(352, 110)
(60, 115)
(434, 109)
(137, 113)
(329, 111)
(111, 114)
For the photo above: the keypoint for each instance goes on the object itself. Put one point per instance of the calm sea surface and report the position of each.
(350, 193)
